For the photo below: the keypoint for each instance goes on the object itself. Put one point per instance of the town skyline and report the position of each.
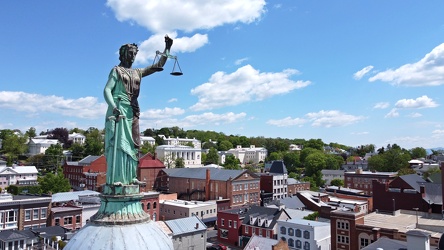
(349, 73)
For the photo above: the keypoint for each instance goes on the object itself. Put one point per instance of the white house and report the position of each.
(252, 154)
(147, 139)
(304, 234)
(181, 141)
(77, 138)
(192, 157)
(39, 146)
(18, 175)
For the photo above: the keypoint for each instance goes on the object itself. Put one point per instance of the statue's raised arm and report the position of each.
(163, 58)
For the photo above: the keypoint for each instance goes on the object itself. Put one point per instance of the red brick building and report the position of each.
(150, 204)
(201, 184)
(362, 180)
(68, 216)
(148, 170)
(75, 172)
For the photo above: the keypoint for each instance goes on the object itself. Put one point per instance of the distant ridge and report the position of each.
(429, 151)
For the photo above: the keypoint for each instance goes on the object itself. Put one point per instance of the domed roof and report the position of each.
(146, 235)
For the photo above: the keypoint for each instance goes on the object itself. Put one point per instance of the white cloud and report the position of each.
(194, 120)
(393, 113)
(327, 119)
(172, 100)
(287, 122)
(438, 133)
(240, 61)
(244, 85)
(414, 115)
(332, 118)
(358, 75)
(161, 113)
(35, 104)
(429, 71)
(161, 16)
(381, 105)
(360, 133)
(418, 103)
(147, 49)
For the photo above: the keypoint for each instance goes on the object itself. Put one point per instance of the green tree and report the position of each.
(231, 162)
(93, 142)
(13, 144)
(313, 216)
(179, 163)
(333, 161)
(208, 145)
(147, 148)
(431, 171)
(31, 132)
(406, 171)
(291, 161)
(275, 156)
(53, 157)
(306, 152)
(418, 152)
(54, 183)
(212, 157)
(315, 143)
(225, 145)
(337, 182)
(392, 160)
(78, 151)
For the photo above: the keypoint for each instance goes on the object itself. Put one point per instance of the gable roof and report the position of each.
(257, 211)
(200, 173)
(149, 161)
(259, 242)
(89, 159)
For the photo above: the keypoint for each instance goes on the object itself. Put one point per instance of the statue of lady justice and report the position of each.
(122, 136)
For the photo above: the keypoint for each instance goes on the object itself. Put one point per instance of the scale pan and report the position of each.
(157, 69)
(176, 73)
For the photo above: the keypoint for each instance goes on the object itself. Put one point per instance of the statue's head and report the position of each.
(124, 54)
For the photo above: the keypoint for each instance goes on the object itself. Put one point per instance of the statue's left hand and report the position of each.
(168, 42)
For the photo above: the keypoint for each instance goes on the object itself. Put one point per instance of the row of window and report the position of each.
(246, 186)
(36, 213)
(297, 243)
(67, 220)
(297, 232)
(230, 223)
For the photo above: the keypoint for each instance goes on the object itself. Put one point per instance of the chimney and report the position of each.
(155, 156)
(207, 184)
(418, 240)
(197, 226)
(422, 191)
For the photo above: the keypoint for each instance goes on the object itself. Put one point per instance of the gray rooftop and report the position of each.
(200, 173)
(185, 225)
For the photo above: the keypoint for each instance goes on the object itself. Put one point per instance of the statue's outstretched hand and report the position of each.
(168, 42)
(116, 111)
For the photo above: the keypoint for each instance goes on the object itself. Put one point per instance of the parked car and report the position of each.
(216, 247)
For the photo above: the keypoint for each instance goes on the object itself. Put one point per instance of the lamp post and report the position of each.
(394, 207)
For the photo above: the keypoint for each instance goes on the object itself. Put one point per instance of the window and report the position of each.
(306, 235)
(35, 214)
(148, 206)
(154, 204)
(229, 223)
(27, 214)
(11, 216)
(43, 212)
(246, 229)
(306, 245)
(298, 233)
(298, 244)
(78, 218)
(364, 242)
(222, 222)
(291, 232)
(67, 220)
(57, 221)
(283, 230)
(290, 242)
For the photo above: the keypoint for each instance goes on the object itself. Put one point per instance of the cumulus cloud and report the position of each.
(287, 122)
(418, 103)
(358, 75)
(438, 133)
(414, 115)
(244, 85)
(84, 107)
(172, 100)
(156, 42)
(323, 118)
(161, 113)
(381, 105)
(168, 17)
(393, 113)
(208, 118)
(429, 71)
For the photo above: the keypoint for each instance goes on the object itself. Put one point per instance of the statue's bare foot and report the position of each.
(118, 183)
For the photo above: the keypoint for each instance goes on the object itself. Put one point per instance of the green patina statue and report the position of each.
(122, 136)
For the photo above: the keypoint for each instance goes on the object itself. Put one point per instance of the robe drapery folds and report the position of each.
(122, 133)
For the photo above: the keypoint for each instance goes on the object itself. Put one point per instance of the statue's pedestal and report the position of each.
(120, 205)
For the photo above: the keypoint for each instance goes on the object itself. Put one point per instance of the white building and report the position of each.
(181, 141)
(252, 154)
(39, 146)
(147, 139)
(192, 157)
(175, 209)
(77, 138)
(188, 233)
(18, 175)
(329, 174)
(304, 234)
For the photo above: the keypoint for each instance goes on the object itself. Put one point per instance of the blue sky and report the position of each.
(351, 72)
